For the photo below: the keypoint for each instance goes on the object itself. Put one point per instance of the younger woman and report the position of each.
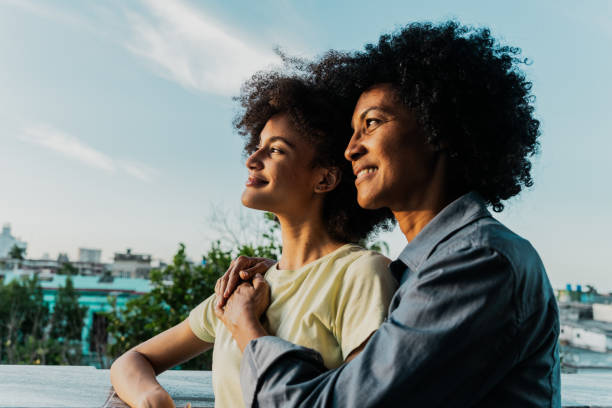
(327, 293)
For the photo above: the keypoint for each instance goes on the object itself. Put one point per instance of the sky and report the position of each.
(116, 117)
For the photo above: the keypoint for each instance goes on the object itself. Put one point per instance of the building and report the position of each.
(90, 255)
(586, 326)
(7, 241)
(130, 265)
(587, 334)
(602, 312)
(50, 266)
(93, 292)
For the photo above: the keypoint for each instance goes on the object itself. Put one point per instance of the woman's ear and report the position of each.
(329, 179)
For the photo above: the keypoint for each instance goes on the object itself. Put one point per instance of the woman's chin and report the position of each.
(368, 202)
(251, 202)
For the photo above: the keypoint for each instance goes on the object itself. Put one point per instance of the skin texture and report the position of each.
(241, 269)
(468, 91)
(320, 118)
(133, 374)
(242, 311)
(252, 298)
(283, 180)
(409, 177)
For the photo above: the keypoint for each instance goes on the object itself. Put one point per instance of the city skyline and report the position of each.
(116, 119)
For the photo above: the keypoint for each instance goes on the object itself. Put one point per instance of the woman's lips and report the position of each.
(253, 181)
(365, 174)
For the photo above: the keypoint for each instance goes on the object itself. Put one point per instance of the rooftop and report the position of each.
(591, 325)
(91, 283)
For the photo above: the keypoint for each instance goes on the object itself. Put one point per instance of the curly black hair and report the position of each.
(467, 91)
(324, 120)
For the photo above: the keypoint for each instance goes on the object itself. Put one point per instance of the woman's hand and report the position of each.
(133, 375)
(156, 398)
(244, 308)
(241, 269)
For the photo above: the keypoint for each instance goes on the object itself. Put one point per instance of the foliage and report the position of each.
(378, 246)
(17, 253)
(67, 269)
(23, 318)
(177, 289)
(30, 334)
(67, 324)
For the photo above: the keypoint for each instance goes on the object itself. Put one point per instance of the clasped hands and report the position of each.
(243, 296)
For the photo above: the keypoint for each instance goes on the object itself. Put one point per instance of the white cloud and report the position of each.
(51, 12)
(71, 147)
(181, 43)
(56, 140)
(189, 47)
(139, 170)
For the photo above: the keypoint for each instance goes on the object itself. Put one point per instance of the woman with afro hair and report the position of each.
(295, 139)
(443, 126)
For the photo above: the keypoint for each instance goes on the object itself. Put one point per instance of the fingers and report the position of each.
(233, 275)
(241, 269)
(262, 266)
(225, 280)
(229, 283)
(232, 282)
(248, 273)
(219, 311)
(259, 283)
(219, 288)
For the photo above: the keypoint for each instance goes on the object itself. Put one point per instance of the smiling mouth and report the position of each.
(368, 171)
(253, 181)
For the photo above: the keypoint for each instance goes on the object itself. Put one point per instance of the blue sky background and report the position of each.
(115, 117)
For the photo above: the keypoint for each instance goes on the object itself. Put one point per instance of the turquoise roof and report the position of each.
(92, 283)
(92, 293)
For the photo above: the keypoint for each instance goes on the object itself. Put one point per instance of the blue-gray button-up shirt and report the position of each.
(473, 323)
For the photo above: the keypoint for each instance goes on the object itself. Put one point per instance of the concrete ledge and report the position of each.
(86, 387)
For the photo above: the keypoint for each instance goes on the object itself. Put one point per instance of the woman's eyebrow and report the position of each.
(370, 108)
(282, 139)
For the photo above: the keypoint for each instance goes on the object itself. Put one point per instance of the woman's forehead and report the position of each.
(383, 97)
(280, 128)
(279, 125)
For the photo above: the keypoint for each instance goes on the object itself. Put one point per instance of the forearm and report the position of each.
(133, 378)
(429, 339)
(244, 308)
(250, 330)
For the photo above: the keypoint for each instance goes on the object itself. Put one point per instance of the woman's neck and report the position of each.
(421, 207)
(305, 240)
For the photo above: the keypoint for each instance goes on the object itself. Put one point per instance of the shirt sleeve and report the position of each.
(363, 300)
(446, 342)
(203, 321)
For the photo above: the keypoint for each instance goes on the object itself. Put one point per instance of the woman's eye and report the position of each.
(371, 122)
(275, 150)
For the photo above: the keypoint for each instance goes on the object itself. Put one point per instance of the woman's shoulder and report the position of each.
(359, 260)
(367, 273)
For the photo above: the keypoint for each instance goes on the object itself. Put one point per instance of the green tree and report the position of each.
(378, 246)
(67, 269)
(177, 289)
(17, 253)
(67, 323)
(23, 320)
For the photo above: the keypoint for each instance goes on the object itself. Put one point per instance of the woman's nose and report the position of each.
(253, 162)
(355, 148)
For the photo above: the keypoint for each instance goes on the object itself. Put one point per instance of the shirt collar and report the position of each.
(459, 213)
